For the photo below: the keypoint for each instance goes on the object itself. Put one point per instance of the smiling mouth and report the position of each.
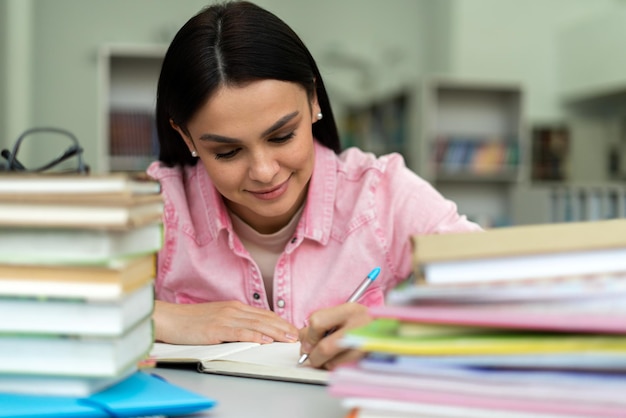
(272, 193)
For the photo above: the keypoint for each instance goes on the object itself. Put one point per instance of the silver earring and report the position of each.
(194, 153)
(319, 116)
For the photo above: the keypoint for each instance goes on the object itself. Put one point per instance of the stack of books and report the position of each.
(77, 266)
(525, 321)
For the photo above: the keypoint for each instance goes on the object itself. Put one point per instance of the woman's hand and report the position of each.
(322, 347)
(218, 322)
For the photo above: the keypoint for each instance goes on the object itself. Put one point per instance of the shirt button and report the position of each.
(256, 296)
(280, 303)
(293, 240)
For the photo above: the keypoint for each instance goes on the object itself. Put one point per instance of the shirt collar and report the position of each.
(317, 218)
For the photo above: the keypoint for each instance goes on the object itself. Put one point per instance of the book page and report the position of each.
(276, 361)
(173, 353)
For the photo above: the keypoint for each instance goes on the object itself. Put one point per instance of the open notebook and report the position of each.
(275, 361)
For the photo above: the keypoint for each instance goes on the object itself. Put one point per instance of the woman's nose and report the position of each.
(263, 167)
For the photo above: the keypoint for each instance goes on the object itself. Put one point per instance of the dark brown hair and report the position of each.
(232, 43)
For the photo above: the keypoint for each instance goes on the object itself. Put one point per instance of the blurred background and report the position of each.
(514, 109)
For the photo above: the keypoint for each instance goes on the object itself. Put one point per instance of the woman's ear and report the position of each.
(183, 135)
(316, 110)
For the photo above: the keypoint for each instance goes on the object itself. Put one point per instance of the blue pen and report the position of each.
(356, 295)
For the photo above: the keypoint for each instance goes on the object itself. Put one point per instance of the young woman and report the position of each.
(269, 227)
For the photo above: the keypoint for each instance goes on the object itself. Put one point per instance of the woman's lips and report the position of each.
(272, 193)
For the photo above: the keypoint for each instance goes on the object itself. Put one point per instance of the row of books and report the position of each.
(582, 202)
(133, 142)
(77, 266)
(476, 156)
(526, 321)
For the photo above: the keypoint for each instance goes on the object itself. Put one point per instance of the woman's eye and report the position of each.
(285, 138)
(226, 155)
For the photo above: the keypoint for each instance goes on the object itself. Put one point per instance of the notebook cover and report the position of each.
(141, 394)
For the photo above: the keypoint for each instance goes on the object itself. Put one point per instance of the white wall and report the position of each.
(592, 58)
(4, 142)
(16, 51)
(517, 40)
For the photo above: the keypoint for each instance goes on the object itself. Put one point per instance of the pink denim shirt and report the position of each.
(359, 214)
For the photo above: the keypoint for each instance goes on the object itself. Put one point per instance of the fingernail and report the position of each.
(291, 337)
(267, 339)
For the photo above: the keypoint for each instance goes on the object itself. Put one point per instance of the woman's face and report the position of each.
(256, 144)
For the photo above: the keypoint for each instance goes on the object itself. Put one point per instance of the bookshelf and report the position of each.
(380, 126)
(470, 131)
(128, 82)
(472, 144)
(569, 202)
(465, 137)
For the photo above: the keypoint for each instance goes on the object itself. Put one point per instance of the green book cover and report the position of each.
(382, 335)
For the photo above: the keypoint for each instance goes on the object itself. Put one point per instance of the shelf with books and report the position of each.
(482, 122)
(465, 137)
(129, 76)
(551, 202)
(471, 133)
(380, 127)
(475, 159)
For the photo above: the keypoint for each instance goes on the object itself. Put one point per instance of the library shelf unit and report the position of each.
(379, 126)
(467, 138)
(472, 143)
(569, 202)
(127, 91)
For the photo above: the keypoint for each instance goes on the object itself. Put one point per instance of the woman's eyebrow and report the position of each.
(280, 123)
(219, 138)
(227, 140)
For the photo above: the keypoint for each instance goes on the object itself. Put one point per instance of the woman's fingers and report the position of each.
(217, 322)
(326, 327)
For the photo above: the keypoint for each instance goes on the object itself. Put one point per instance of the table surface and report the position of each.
(248, 397)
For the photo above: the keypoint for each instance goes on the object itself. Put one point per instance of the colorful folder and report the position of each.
(141, 394)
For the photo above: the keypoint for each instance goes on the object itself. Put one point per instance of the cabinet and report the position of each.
(128, 82)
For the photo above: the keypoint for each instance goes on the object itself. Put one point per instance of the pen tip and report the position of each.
(303, 358)
(374, 273)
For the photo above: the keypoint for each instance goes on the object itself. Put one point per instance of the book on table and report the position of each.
(564, 289)
(74, 355)
(524, 252)
(382, 336)
(94, 282)
(73, 246)
(59, 384)
(273, 361)
(112, 184)
(559, 393)
(81, 212)
(596, 315)
(71, 316)
(590, 361)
